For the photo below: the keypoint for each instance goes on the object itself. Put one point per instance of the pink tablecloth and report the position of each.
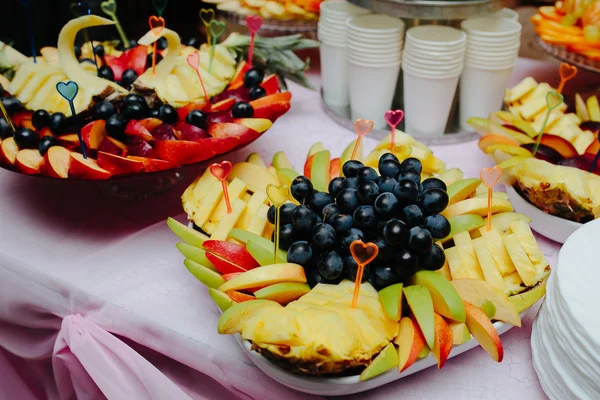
(75, 265)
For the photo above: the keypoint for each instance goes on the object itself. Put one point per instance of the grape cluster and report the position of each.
(393, 208)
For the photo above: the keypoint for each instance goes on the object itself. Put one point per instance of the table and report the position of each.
(75, 265)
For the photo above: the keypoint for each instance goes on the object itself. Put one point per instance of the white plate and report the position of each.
(550, 226)
(349, 384)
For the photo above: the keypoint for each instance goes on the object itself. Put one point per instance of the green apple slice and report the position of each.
(391, 298)
(446, 300)
(245, 236)
(420, 303)
(280, 161)
(205, 275)
(386, 360)
(187, 234)
(222, 300)
(283, 293)
(195, 254)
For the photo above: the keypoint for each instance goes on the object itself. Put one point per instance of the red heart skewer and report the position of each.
(566, 72)
(489, 177)
(393, 118)
(221, 172)
(361, 127)
(363, 254)
(157, 25)
(193, 61)
(253, 22)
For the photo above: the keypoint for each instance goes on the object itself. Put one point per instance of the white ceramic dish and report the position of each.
(349, 384)
(550, 226)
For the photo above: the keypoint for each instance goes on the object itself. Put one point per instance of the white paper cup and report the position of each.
(376, 52)
(325, 34)
(436, 48)
(489, 66)
(441, 55)
(427, 103)
(427, 58)
(371, 44)
(374, 24)
(486, 47)
(445, 64)
(372, 90)
(334, 74)
(428, 35)
(492, 54)
(341, 8)
(507, 13)
(375, 37)
(490, 27)
(374, 60)
(481, 92)
(432, 74)
(497, 42)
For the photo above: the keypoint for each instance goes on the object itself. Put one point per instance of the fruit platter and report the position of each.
(315, 316)
(136, 112)
(559, 186)
(570, 30)
(288, 10)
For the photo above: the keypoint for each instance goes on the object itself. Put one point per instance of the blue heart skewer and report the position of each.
(69, 90)
(27, 5)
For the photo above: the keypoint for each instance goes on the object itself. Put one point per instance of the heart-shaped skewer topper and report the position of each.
(193, 61)
(553, 101)
(221, 171)
(68, 90)
(566, 72)
(109, 7)
(363, 254)
(490, 177)
(157, 24)
(361, 127)
(277, 195)
(216, 28)
(393, 118)
(253, 22)
(207, 15)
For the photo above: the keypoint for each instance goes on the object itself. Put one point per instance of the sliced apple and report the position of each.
(451, 175)
(232, 252)
(460, 333)
(240, 297)
(222, 300)
(478, 206)
(443, 340)
(315, 148)
(187, 234)
(320, 169)
(386, 360)
(502, 221)
(489, 140)
(593, 108)
(484, 332)
(195, 254)
(270, 84)
(283, 293)
(281, 161)
(391, 298)
(118, 165)
(57, 161)
(523, 301)
(8, 151)
(463, 223)
(509, 133)
(134, 128)
(244, 237)
(259, 125)
(562, 146)
(256, 178)
(286, 176)
(256, 159)
(335, 168)
(446, 300)
(235, 317)
(265, 276)
(94, 133)
(488, 308)
(479, 125)
(86, 168)
(420, 303)
(410, 343)
(204, 274)
(29, 161)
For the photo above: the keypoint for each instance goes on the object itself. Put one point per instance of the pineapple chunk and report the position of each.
(517, 253)
(535, 103)
(235, 189)
(208, 204)
(583, 141)
(259, 220)
(522, 89)
(555, 116)
(256, 200)
(527, 240)
(488, 264)
(513, 283)
(467, 255)
(187, 199)
(493, 239)
(228, 221)
(209, 227)
(207, 184)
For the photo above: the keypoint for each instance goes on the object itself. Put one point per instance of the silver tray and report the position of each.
(561, 53)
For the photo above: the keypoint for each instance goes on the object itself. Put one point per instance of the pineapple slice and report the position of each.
(467, 255)
(527, 240)
(488, 264)
(495, 245)
(208, 203)
(583, 141)
(226, 224)
(256, 201)
(259, 220)
(235, 188)
(517, 253)
(514, 283)
(521, 90)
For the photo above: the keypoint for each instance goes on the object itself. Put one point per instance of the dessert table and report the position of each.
(77, 266)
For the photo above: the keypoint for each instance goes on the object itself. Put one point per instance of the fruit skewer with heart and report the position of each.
(148, 129)
(311, 286)
(557, 180)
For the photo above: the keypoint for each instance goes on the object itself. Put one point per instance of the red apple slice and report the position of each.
(562, 146)
(185, 110)
(189, 132)
(238, 78)
(86, 168)
(134, 128)
(443, 340)
(8, 151)
(271, 111)
(93, 134)
(29, 161)
(23, 119)
(222, 265)
(593, 148)
(118, 165)
(70, 141)
(239, 297)
(308, 166)
(230, 130)
(410, 343)
(233, 252)
(271, 84)
(187, 152)
(222, 105)
(284, 97)
(113, 146)
(335, 168)
(154, 164)
(57, 161)
(231, 276)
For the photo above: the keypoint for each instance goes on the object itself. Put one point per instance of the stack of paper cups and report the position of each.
(492, 51)
(374, 52)
(332, 35)
(432, 63)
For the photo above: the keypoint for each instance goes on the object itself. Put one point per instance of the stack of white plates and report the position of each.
(566, 334)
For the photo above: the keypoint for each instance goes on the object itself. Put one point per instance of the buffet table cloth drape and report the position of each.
(95, 302)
